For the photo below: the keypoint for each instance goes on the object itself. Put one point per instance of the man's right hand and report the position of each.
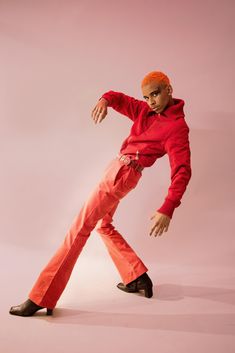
(100, 111)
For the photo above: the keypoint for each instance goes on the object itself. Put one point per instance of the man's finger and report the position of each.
(94, 110)
(97, 115)
(102, 116)
(160, 229)
(98, 111)
(157, 230)
(152, 229)
(157, 224)
(158, 233)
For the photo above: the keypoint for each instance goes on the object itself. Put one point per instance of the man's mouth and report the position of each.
(155, 107)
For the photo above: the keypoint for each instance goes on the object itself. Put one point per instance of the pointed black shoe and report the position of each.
(142, 282)
(28, 308)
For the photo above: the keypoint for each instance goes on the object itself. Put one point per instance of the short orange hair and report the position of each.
(155, 76)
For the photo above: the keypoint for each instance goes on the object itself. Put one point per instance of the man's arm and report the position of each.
(178, 150)
(124, 104)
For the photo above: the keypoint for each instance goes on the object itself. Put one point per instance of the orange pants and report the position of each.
(96, 212)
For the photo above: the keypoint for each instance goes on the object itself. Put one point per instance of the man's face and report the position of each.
(157, 95)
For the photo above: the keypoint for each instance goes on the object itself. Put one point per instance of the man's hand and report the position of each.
(100, 111)
(161, 223)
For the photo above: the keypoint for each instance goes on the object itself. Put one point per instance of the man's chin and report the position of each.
(158, 110)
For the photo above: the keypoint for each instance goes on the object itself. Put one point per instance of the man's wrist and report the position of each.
(104, 100)
(167, 208)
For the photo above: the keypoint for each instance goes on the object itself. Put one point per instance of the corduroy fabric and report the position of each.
(117, 181)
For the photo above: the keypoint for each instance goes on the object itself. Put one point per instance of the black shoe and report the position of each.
(28, 308)
(142, 282)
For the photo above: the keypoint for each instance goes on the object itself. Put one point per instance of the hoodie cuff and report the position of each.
(167, 208)
(107, 97)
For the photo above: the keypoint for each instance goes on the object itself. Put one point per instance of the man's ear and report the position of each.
(169, 90)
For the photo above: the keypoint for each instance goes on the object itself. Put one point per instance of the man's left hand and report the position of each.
(161, 223)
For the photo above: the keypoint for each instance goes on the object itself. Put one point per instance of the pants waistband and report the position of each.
(128, 161)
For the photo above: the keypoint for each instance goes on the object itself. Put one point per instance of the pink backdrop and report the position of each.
(56, 59)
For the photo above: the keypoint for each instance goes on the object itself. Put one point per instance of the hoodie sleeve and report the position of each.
(124, 104)
(178, 150)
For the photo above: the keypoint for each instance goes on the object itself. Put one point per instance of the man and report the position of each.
(158, 128)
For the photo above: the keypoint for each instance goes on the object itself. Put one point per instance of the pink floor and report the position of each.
(192, 310)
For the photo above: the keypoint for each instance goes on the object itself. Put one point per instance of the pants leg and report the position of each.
(125, 259)
(117, 181)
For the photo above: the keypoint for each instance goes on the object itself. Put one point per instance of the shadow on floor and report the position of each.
(208, 323)
(177, 292)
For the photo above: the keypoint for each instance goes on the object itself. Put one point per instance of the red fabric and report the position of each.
(153, 135)
(96, 213)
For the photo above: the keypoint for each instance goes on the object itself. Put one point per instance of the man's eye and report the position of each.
(155, 94)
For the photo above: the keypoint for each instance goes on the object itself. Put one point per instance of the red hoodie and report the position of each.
(153, 135)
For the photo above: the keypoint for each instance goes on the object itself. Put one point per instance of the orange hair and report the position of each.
(155, 76)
